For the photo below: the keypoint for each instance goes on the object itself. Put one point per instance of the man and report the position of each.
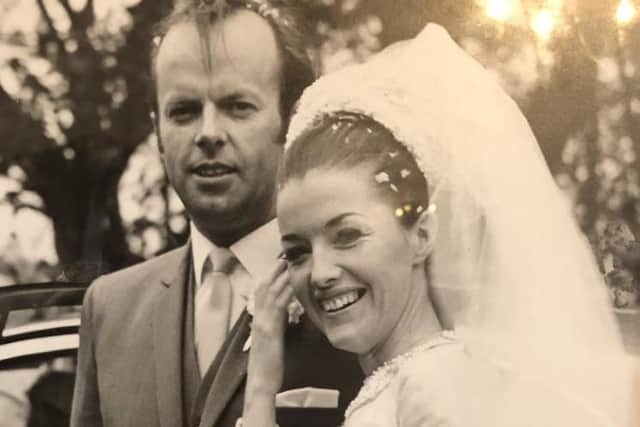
(161, 343)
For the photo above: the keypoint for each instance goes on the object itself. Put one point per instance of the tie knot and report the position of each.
(222, 260)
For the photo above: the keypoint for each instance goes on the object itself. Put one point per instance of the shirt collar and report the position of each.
(257, 251)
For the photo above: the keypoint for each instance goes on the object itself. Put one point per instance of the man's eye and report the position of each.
(240, 109)
(347, 236)
(294, 255)
(184, 112)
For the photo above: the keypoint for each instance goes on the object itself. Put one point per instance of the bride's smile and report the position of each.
(337, 301)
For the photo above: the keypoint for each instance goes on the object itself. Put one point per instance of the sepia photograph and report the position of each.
(319, 213)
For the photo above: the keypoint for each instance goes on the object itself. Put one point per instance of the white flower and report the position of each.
(294, 309)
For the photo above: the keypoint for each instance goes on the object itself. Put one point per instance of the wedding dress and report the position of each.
(439, 384)
(536, 343)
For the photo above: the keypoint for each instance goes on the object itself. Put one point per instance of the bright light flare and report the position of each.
(543, 23)
(500, 10)
(626, 12)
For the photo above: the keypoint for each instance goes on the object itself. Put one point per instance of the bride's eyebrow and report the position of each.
(338, 219)
(290, 238)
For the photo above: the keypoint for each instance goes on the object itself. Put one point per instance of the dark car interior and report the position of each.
(42, 348)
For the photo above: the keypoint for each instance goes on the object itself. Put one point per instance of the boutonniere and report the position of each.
(295, 310)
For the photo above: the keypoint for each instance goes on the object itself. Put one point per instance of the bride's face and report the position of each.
(349, 259)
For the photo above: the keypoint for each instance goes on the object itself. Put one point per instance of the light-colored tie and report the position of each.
(213, 306)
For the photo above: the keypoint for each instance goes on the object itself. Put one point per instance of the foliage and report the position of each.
(75, 126)
(80, 112)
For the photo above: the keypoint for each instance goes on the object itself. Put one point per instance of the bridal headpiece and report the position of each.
(510, 265)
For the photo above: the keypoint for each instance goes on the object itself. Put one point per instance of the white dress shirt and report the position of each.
(257, 254)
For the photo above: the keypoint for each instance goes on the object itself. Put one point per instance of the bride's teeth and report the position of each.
(339, 302)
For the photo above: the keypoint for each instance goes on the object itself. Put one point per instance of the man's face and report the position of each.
(220, 128)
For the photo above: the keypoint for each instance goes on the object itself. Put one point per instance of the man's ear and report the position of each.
(156, 128)
(424, 233)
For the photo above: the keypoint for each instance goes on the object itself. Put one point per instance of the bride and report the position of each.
(422, 230)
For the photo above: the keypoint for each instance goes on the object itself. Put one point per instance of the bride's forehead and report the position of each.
(323, 194)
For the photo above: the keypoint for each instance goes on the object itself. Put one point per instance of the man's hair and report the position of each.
(346, 140)
(284, 18)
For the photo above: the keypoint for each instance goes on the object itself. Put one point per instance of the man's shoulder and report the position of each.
(140, 277)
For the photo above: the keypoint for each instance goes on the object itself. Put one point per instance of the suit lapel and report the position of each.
(226, 373)
(167, 339)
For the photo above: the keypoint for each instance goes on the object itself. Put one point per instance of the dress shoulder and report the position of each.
(448, 387)
(437, 387)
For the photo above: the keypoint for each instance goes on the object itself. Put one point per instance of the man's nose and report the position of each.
(212, 132)
(324, 270)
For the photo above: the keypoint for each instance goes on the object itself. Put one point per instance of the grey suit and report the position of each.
(131, 363)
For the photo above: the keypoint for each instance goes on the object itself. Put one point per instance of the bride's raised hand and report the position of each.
(266, 358)
(271, 299)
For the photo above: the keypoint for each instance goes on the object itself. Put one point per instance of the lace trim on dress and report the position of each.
(381, 377)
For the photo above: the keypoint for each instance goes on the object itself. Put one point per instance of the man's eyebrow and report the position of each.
(238, 93)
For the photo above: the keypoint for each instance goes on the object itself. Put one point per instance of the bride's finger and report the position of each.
(276, 271)
(285, 296)
(279, 285)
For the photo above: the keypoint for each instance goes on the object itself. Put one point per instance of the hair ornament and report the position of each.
(393, 187)
(405, 173)
(382, 177)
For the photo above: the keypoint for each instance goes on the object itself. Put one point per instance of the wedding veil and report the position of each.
(510, 268)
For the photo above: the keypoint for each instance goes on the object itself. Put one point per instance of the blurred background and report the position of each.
(82, 190)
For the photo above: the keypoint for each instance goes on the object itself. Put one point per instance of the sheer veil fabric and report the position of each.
(510, 269)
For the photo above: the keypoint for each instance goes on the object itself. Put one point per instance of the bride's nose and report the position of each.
(324, 270)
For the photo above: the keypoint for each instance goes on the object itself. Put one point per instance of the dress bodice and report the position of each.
(440, 384)
(379, 403)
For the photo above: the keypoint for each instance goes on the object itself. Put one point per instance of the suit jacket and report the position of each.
(130, 361)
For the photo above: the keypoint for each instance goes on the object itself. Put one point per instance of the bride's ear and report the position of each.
(423, 236)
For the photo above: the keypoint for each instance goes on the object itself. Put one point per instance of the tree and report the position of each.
(71, 129)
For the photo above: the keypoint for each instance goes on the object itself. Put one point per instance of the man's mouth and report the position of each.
(213, 170)
(342, 301)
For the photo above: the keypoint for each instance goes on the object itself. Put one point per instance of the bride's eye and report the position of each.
(347, 236)
(294, 255)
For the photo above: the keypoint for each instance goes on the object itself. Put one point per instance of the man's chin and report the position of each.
(224, 221)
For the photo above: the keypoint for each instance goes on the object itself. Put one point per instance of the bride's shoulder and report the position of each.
(445, 362)
(448, 386)
(437, 386)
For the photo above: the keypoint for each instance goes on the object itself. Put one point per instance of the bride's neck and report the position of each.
(418, 323)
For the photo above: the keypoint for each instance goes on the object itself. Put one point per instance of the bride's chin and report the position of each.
(351, 343)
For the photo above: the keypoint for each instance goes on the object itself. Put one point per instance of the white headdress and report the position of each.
(510, 264)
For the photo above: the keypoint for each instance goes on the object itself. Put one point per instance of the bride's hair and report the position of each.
(345, 140)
